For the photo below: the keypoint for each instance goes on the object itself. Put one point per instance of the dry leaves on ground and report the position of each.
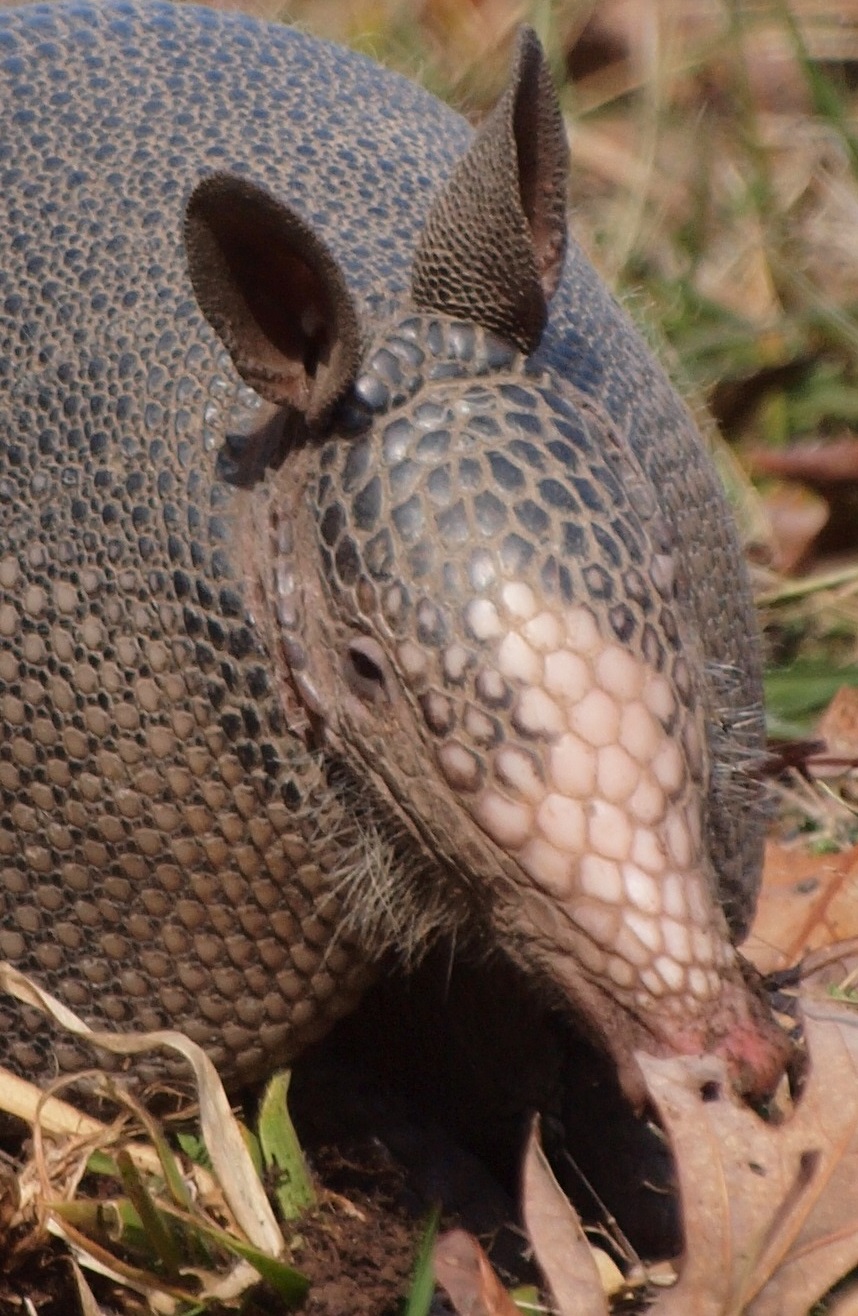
(808, 902)
(770, 1211)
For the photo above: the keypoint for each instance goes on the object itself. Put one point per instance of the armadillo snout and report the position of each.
(594, 788)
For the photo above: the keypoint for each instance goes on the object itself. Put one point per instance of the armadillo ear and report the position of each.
(493, 246)
(273, 293)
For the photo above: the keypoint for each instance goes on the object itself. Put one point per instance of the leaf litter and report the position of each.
(770, 1210)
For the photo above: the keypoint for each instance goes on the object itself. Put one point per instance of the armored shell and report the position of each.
(178, 844)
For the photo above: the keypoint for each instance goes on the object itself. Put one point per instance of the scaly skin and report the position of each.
(478, 652)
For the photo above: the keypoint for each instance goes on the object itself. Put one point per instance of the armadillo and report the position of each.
(363, 579)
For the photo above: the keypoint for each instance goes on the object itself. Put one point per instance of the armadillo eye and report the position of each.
(365, 670)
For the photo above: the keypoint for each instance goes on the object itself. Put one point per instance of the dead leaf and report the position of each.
(558, 1240)
(807, 901)
(85, 1296)
(796, 516)
(223, 1138)
(465, 1274)
(845, 1304)
(831, 968)
(770, 1212)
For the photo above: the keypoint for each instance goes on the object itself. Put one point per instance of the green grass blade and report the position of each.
(423, 1281)
(281, 1151)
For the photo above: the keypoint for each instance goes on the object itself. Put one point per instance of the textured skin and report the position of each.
(175, 847)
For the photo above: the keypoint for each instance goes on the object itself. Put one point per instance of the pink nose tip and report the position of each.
(741, 1030)
(757, 1054)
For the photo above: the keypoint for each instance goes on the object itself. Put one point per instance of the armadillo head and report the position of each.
(474, 595)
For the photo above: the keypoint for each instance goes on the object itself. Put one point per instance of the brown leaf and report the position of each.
(561, 1248)
(807, 901)
(770, 1210)
(771, 1213)
(465, 1274)
(796, 516)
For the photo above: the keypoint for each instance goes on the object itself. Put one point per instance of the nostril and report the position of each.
(365, 670)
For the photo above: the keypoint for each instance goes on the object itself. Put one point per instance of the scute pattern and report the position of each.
(556, 693)
(170, 851)
(161, 851)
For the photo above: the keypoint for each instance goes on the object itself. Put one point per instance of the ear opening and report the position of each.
(273, 293)
(493, 245)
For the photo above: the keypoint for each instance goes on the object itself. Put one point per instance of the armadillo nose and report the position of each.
(739, 1028)
(757, 1051)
